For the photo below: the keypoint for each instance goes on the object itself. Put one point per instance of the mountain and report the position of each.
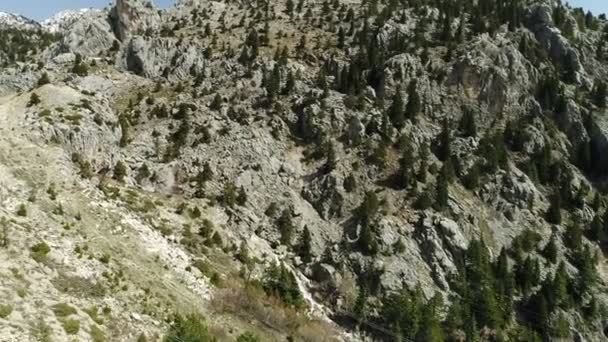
(62, 20)
(9, 20)
(308, 171)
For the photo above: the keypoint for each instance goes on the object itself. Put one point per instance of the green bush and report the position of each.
(286, 227)
(44, 79)
(34, 100)
(71, 326)
(120, 171)
(350, 183)
(44, 113)
(190, 328)
(105, 258)
(39, 251)
(5, 310)
(248, 337)
(22, 210)
(271, 210)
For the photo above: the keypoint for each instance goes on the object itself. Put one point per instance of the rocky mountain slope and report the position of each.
(417, 170)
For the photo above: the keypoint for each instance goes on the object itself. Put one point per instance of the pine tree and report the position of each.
(554, 214)
(396, 111)
(600, 91)
(330, 156)
(44, 79)
(405, 174)
(467, 124)
(244, 57)
(241, 198)
(286, 227)
(560, 328)
(289, 84)
(431, 329)
(559, 287)
(413, 106)
(125, 130)
(289, 5)
(366, 212)
(527, 274)
(368, 242)
(34, 100)
(597, 202)
(120, 171)
(79, 67)
(404, 311)
(550, 250)
(253, 42)
(180, 136)
(304, 246)
(266, 37)
(585, 260)
(360, 306)
(424, 161)
(229, 196)
(206, 174)
(596, 229)
(442, 195)
(273, 84)
(217, 102)
(350, 183)
(471, 180)
(445, 141)
(341, 38)
(281, 282)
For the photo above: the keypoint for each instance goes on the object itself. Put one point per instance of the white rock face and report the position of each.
(63, 20)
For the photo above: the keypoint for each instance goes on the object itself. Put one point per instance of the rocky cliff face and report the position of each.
(419, 171)
(132, 18)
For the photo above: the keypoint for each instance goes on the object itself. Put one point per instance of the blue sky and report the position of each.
(595, 6)
(42, 9)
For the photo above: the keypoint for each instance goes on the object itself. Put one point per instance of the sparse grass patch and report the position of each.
(147, 206)
(42, 331)
(44, 113)
(17, 274)
(97, 334)
(63, 310)
(52, 192)
(74, 119)
(164, 229)
(248, 337)
(93, 312)
(78, 286)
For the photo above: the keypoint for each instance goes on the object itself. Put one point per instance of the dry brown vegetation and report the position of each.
(252, 303)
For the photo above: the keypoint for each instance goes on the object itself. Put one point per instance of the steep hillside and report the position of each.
(417, 170)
